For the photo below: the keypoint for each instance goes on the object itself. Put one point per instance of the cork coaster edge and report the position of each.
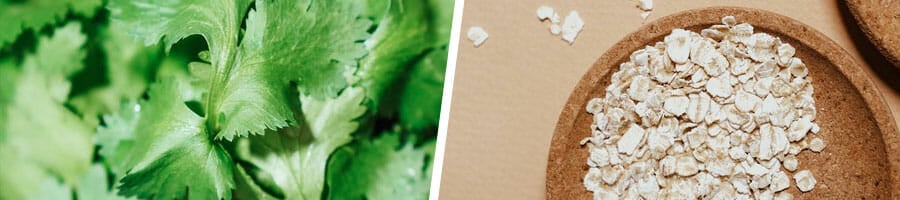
(872, 21)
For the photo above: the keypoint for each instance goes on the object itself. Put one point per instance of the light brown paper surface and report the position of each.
(509, 92)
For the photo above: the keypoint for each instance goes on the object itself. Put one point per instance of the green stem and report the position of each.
(217, 89)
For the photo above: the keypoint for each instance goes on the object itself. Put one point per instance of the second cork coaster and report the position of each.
(880, 20)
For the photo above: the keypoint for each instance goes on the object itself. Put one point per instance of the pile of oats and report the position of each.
(720, 114)
(570, 27)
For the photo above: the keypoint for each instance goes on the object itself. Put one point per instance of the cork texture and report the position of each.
(859, 161)
(880, 21)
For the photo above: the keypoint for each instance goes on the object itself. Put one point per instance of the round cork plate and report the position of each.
(860, 161)
(880, 20)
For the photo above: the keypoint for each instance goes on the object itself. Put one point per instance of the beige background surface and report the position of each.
(509, 92)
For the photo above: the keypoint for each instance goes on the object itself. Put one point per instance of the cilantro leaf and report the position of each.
(219, 99)
(177, 67)
(172, 155)
(33, 14)
(216, 20)
(401, 35)
(317, 44)
(383, 168)
(40, 138)
(441, 19)
(253, 98)
(52, 189)
(249, 81)
(95, 185)
(20, 177)
(278, 47)
(420, 104)
(247, 188)
(128, 65)
(296, 157)
(8, 80)
(116, 138)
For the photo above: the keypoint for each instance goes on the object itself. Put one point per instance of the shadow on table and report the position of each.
(883, 68)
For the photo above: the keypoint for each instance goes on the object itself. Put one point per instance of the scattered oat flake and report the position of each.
(805, 180)
(555, 29)
(720, 115)
(477, 35)
(646, 6)
(817, 145)
(567, 29)
(644, 15)
(790, 163)
(545, 12)
(571, 26)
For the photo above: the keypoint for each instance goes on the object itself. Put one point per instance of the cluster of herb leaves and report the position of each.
(220, 99)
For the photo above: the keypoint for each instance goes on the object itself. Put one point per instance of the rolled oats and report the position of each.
(816, 145)
(592, 181)
(720, 114)
(676, 105)
(678, 45)
(780, 181)
(545, 13)
(805, 180)
(686, 165)
(631, 139)
(555, 29)
(571, 26)
(646, 6)
(645, 14)
(568, 28)
(609, 175)
(477, 35)
(784, 196)
(719, 87)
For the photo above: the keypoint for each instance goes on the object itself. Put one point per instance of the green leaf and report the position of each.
(296, 157)
(8, 80)
(247, 188)
(61, 54)
(252, 97)
(116, 138)
(441, 20)
(172, 154)
(249, 81)
(177, 68)
(401, 35)
(51, 189)
(40, 138)
(34, 14)
(20, 176)
(128, 67)
(317, 44)
(420, 105)
(279, 49)
(95, 186)
(172, 20)
(383, 168)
